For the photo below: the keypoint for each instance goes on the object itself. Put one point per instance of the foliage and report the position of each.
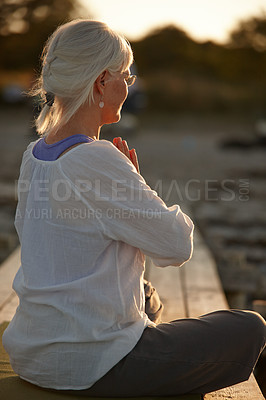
(181, 73)
(250, 33)
(25, 26)
(178, 72)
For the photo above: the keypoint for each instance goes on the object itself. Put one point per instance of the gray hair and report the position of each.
(73, 58)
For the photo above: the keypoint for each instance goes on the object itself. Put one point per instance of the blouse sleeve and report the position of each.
(130, 211)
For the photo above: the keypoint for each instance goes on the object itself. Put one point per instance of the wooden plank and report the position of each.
(201, 282)
(8, 298)
(204, 293)
(8, 270)
(168, 284)
(8, 310)
(241, 391)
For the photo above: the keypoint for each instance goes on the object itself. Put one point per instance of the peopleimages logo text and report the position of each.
(61, 190)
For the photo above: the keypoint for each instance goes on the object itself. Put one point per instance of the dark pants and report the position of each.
(192, 355)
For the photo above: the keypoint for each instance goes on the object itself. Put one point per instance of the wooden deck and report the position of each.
(8, 298)
(194, 290)
(190, 291)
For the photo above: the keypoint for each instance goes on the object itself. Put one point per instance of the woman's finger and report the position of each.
(119, 144)
(123, 147)
(126, 149)
(115, 141)
(134, 158)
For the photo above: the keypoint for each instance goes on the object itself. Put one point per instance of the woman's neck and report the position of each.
(84, 122)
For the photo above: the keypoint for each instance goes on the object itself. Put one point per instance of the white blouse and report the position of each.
(85, 222)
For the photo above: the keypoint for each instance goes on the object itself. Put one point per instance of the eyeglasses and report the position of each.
(130, 80)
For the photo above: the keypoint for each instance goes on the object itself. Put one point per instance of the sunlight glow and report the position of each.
(201, 19)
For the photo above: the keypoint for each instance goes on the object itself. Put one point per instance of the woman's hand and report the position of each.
(123, 147)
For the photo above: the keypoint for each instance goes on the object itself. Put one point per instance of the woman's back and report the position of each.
(79, 296)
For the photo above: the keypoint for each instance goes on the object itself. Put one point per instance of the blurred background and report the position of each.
(196, 116)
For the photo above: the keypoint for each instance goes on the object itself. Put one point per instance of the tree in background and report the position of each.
(250, 33)
(183, 74)
(25, 26)
(179, 73)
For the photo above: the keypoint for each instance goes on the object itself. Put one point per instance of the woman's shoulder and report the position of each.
(28, 151)
(102, 146)
(101, 156)
(102, 150)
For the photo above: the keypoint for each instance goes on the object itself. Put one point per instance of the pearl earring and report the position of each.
(101, 104)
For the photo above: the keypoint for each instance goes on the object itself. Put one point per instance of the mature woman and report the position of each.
(86, 219)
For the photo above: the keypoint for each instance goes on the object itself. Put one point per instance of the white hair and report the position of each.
(73, 58)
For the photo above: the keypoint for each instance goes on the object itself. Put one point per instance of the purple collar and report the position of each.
(51, 152)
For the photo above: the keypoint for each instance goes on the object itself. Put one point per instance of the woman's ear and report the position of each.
(100, 82)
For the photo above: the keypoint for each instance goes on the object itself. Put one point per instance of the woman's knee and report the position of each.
(257, 323)
(245, 327)
(255, 328)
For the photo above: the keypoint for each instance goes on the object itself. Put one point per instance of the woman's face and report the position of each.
(116, 91)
